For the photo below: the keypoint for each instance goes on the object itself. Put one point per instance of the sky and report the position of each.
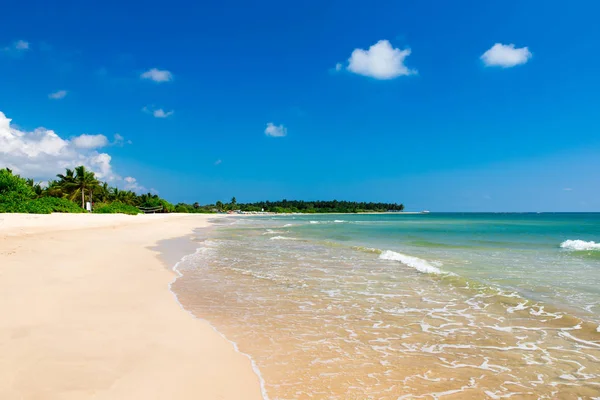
(445, 106)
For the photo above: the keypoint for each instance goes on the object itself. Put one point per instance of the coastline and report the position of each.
(353, 323)
(170, 252)
(87, 312)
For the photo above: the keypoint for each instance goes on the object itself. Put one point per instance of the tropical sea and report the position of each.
(398, 306)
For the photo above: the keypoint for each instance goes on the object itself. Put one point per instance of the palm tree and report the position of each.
(78, 183)
(68, 177)
(102, 192)
(114, 193)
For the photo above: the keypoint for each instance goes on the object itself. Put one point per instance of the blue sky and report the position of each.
(454, 124)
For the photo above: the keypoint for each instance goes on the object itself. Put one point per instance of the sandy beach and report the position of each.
(87, 313)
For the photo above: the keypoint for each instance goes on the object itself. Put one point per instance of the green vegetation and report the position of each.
(292, 206)
(69, 193)
(71, 190)
(116, 207)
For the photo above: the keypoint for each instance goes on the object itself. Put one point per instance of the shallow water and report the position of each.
(399, 306)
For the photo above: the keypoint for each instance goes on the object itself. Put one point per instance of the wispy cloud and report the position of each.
(505, 56)
(119, 140)
(157, 75)
(157, 112)
(21, 45)
(275, 131)
(132, 184)
(160, 113)
(380, 61)
(567, 189)
(218, 162)
(61, 94)
(16, 48)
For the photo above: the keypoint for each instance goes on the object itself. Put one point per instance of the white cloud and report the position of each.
(338, 66)
(275, 131)
(157, 75)
(160, 113)
(41, 153)
(90, 141)
(157, 113)
(132, 184)
(100, 164)
(218, 162)
(61, 94)
(381, 61)
(505, 55)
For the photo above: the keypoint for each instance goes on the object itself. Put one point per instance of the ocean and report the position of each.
(393, 306)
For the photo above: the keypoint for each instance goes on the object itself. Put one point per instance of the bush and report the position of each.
(116, 207)
(43, 205)
(12, 204)
(167, 207)
(14, 187)
(59, 205)
(183, 208)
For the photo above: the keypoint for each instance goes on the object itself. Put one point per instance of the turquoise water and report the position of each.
(518, 252)
(398, 306)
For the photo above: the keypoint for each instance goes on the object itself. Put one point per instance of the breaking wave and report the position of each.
(579, 245)
(281, 238)
(414, 262)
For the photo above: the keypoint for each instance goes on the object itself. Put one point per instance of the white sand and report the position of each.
(85, 312)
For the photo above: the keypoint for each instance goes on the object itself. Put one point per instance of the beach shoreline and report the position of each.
(87, 312)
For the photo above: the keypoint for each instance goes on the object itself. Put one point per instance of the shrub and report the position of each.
(59, 205)
(12, 204)
(183, 208)
(116, 207)
(44, 205)
(167, 207)
(14, 186)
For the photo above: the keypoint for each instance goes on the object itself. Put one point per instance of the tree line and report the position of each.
(293, 206)
(70, 192)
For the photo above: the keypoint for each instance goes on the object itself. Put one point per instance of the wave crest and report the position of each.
(579, 245)
(413, 262)
(281, 238)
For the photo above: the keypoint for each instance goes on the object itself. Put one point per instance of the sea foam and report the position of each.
(281, 238)
(579, 245)
(414, 262)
